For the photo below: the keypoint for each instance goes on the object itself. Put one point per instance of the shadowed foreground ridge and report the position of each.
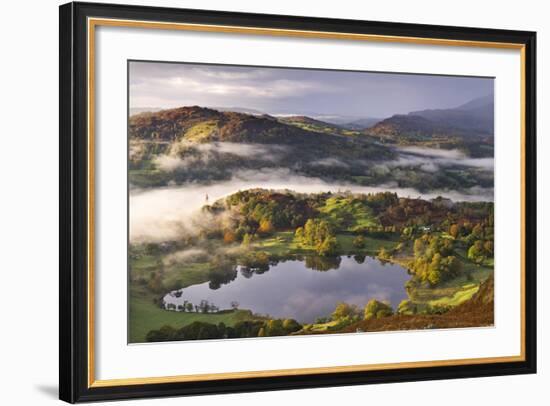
(475, 312)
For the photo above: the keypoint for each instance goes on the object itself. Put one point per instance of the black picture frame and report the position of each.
(74, 199)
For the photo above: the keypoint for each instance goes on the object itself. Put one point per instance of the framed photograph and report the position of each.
(256, 202)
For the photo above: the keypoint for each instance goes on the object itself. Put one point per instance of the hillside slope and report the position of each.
(468, 127)
(475, 312)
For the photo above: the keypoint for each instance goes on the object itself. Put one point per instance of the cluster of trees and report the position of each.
(479, 238)
(346, 314)
(481, 250)
(434, 261)
(258, 212)
(319, 235)
(199, 330)
(272, 210)
(203, 307)
(412, 212)
(278, 327)
(407, 307)
(376, 309)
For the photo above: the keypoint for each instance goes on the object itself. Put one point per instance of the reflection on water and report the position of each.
(303, 290)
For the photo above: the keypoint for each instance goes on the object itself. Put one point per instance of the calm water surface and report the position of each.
(293, 290)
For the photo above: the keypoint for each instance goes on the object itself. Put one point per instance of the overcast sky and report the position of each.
(297, 91)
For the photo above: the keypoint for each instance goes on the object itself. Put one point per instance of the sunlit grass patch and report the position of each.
(460, 296)
(201, 131)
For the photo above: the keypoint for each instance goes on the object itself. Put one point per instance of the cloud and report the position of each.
(433, 152)
(193, 254)
(172, 85)
(329, 162)
(191, 154)
(305, 91)
(432, 159)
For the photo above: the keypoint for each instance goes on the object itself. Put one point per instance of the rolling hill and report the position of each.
(212, 145)
(311, 124)
(468, 127)
(206, 145)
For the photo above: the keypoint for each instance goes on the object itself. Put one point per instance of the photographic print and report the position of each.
(271, 201)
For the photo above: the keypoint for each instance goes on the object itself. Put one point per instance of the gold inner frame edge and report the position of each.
(92, 23)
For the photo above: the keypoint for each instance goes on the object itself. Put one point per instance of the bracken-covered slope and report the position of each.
(199, 124)
(475, 312)
(177, 130)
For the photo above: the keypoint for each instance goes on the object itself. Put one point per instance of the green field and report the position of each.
(283, 243)
(145, 316)
(348, 215)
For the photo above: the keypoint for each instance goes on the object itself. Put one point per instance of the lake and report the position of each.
(303, 290)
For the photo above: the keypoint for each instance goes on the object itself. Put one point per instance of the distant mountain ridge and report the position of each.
(472, 120)
(475, 116)
(362, 123)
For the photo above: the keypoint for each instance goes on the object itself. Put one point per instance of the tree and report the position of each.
(247, 328)
(451, 265)
(189, 307)
(165, 333)
(204, 306)
(359, 242)
(266, 227)
(434, 277)
(407, 307)
(344, 310)
(383, 254)
(418, 247)
(235, 305)
(477, 231)
(291, 325)
(199, 330)
(229, 237)
(476, 252)
(274, 328)
(488, 246)
(376, 310)
(328, 246)
(299, 234)
(454, 230)
(314, 232)
(247, 239)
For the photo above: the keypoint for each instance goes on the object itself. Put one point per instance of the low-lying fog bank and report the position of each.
(166, 213)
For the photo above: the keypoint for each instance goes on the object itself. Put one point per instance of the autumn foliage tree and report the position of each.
(266, 227)
(376, 309)
(454, 231)
(229, 237)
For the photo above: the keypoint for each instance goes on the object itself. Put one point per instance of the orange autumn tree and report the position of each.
(229, 237)
(266, 226)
